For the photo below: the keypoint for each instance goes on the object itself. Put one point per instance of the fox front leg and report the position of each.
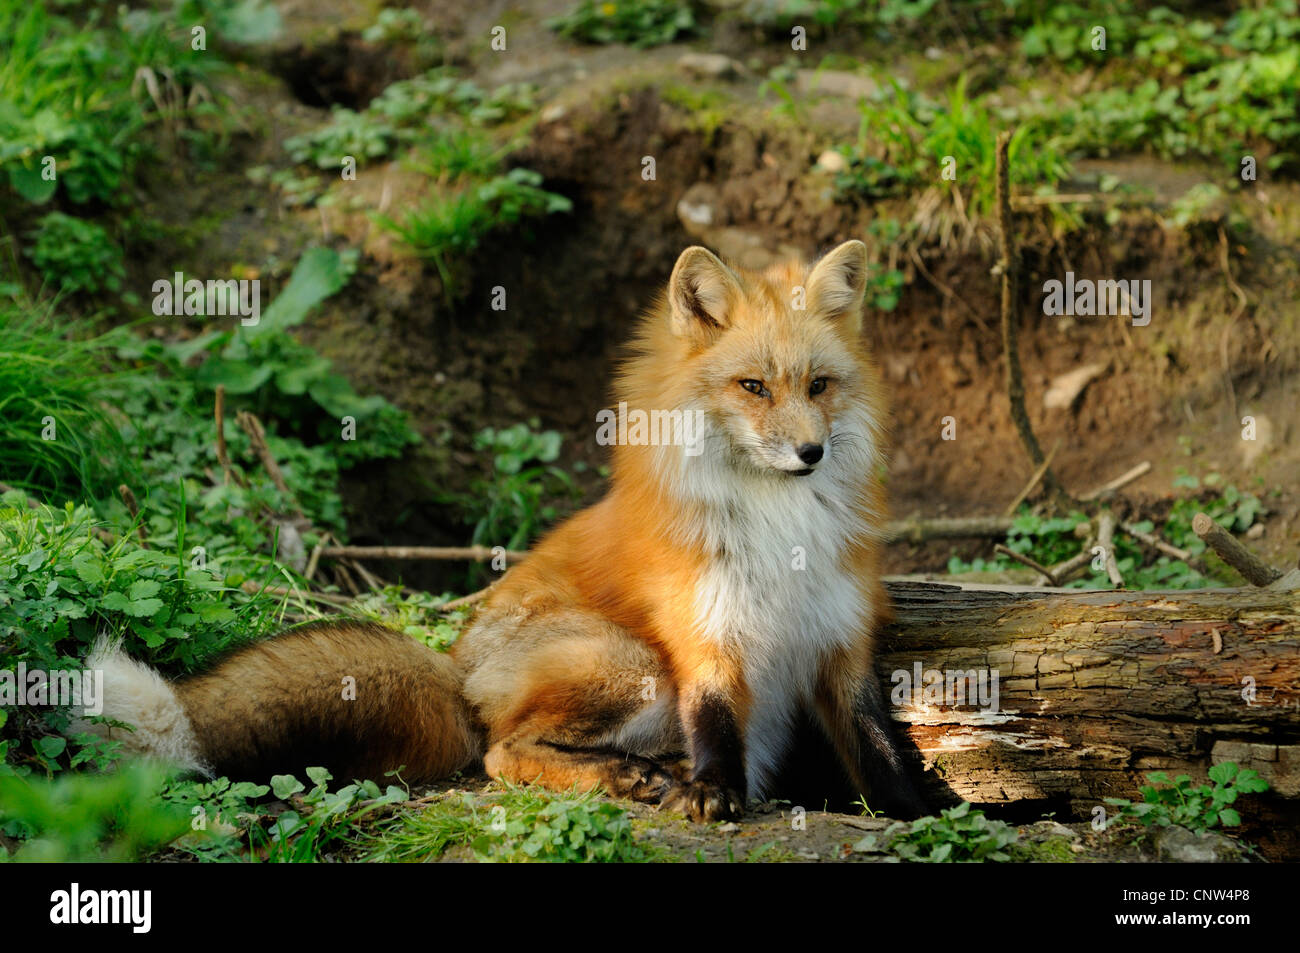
(714, 734)
(853, 711)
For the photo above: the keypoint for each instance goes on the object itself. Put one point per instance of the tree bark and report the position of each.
(1097, 688)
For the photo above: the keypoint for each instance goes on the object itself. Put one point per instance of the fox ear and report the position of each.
(838, 284)
(699, 292)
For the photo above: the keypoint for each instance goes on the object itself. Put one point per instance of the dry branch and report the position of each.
(1106, 489)
(1027, 561)
(1066, 571)
(1253, 569)
(1156, 543)
(257, 436)
(473, 553)
(1106, 540)
(223, 455)
(133, 508)
(252, 588)
(918, 530)
(1009, 267)
(1033, 481)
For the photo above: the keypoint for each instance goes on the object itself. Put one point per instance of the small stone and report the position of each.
(729, 828)
(833, 82)
(832, 161)
(1181, 846)
(554, 112)
(1255, 532)
(1066, 388)
(712, 65)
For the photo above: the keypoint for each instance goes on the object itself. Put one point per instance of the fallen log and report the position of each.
(1094, 689)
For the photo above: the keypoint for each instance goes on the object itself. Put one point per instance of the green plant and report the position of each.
(83, 93)
(448, 227)
(508, 508)
(958, 835)
(884, 287)
(639, 23)
(525, 824)
(75, 256)
(1052, 540)
(1197, 807)
(61, 437)
(349, 133)
(394, 24)
(399, 117)
(321, 817)
(89, 818)
(566, 831)
(267, 367)
(920, 141)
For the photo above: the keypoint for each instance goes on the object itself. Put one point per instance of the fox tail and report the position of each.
(356, 698)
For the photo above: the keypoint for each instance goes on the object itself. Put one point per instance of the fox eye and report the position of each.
(817, 386)
(754, 387)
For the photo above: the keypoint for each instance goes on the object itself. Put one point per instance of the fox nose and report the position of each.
(809, 453)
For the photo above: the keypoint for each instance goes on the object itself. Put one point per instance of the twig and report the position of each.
(1106, 540)
(944, 289)
(345, 579)
(1120, 481)
(252, 588)
(133, 508)
(469, 600)
(223, 456)
(473, 553)
(1253, 569)
(1155, 542)
(1060, 198)
(1033, 481)
(257, 435)
(918, 530)
(1066, 570)
(1025, 560)
(369, 579)
(314, 560)
(1008, 266)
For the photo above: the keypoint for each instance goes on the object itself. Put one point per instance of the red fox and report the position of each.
(724, 585)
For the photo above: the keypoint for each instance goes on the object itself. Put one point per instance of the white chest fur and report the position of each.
(775, 592)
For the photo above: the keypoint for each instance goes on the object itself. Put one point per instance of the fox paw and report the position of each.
(704, 801)
(642, 780)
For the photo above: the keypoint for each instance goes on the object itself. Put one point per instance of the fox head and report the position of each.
(774, 359)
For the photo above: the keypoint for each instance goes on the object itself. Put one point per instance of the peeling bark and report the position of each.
(1097, 688)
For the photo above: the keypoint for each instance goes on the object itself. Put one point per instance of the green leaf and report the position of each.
(285, 785)
(238, 377)
(144, 588)
(1229, 818)
(249, 22)
(1223, 772)
(115, 602)
(52, 745)
(31, 185)
(144, 608)
(320, 273)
